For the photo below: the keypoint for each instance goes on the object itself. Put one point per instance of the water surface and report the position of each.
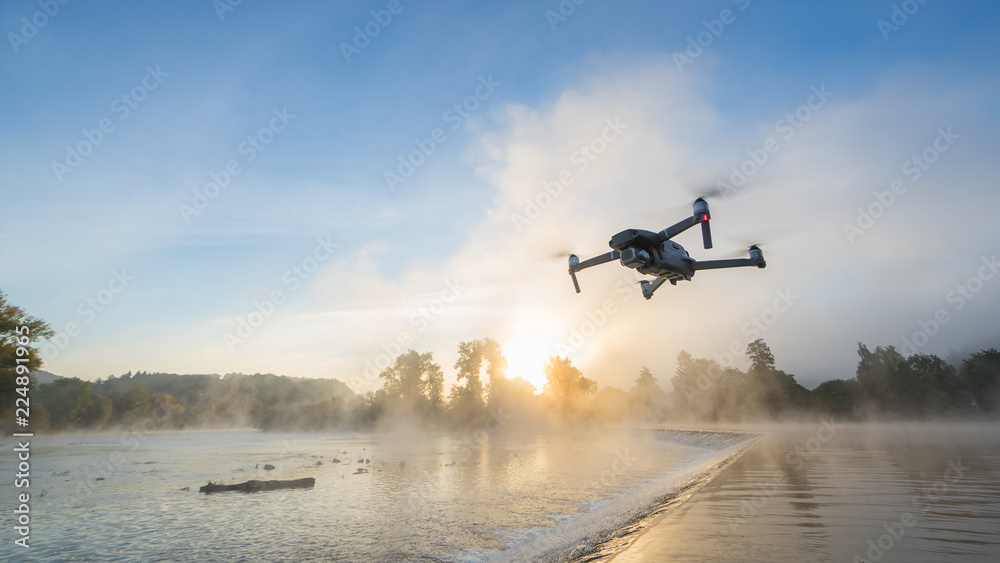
(438, 497)
(907, 493)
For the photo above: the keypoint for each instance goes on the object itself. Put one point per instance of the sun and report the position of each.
(526, 358)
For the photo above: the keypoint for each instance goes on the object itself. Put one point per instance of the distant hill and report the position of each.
(170, 401)
(43, 377)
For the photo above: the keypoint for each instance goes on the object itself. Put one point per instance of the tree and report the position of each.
(567, 387)
(434, 387)
(877, 374)
(67, 401)
(919, 385)
(97, 413)
(18, 332)
(646, 398)
(467, 398)
(135, 402)
(838, 396)
(468, 395)
(981, 375)
(761, 359)
(935, 387)
(414, 382)
(701, 387)
(496, 369)
(772, 389)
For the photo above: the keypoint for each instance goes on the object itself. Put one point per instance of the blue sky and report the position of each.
(322, 177)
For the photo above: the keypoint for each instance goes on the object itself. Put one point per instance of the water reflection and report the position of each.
(424, 497)
(909, 493)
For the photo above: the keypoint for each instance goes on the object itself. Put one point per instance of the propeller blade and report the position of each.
(766, 238)
(741, 253)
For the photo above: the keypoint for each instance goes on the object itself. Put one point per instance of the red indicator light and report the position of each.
(704, 217)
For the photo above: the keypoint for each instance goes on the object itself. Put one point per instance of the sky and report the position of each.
(310, 189)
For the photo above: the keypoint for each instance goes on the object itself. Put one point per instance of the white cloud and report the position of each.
(512, 287)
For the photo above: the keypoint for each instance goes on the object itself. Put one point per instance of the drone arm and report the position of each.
(677, 228)
(701, 216)
(756, 259)
(649, 287)
(717, 264)
(575, 265)
(596, 261)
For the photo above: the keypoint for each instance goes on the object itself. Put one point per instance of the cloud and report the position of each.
(653, 138)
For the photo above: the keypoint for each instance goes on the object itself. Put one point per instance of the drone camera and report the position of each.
(632, 258)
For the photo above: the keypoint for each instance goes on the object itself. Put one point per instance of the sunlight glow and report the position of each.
(526, 358)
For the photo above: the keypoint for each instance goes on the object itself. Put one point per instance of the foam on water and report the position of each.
(610, 525)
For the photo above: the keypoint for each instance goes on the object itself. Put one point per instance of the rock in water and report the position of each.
(254, 486)
(268, 467)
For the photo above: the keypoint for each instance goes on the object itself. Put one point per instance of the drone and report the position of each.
(655, 254)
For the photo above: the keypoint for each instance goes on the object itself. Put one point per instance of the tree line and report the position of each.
(885, 385)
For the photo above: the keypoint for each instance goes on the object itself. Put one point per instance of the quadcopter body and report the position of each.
(655, 254)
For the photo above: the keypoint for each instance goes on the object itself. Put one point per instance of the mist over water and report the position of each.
(431, 497)
(814, 491)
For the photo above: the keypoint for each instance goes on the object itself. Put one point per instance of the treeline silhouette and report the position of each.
(885, 385)
(163, 401)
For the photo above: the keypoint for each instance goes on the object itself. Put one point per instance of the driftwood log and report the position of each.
(254, 486)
